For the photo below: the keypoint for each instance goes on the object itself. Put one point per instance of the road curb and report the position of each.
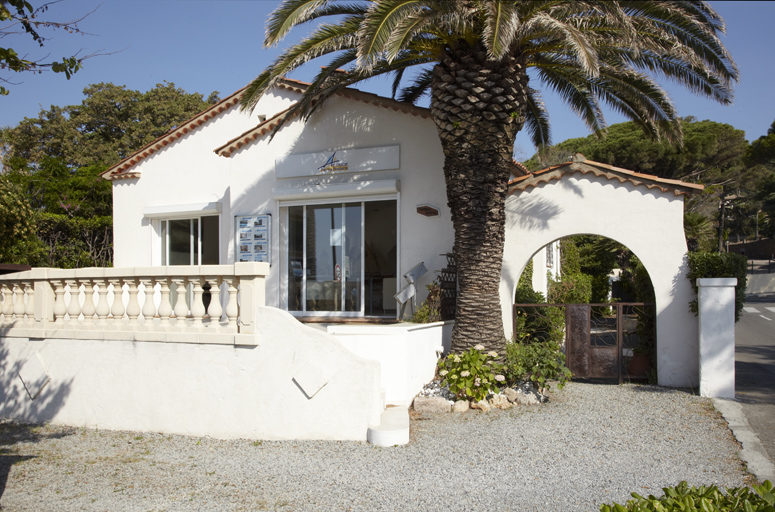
(753, 452)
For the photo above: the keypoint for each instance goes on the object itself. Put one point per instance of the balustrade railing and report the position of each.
(200, 304)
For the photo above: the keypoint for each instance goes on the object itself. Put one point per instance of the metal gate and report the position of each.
(601, 340)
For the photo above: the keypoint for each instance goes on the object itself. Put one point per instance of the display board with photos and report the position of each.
(253, 236)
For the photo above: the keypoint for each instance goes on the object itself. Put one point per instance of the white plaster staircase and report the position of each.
(393, 429)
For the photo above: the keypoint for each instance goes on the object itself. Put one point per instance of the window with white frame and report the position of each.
(193, 241)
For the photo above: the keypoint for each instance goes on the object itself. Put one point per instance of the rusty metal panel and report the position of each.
(577, 339)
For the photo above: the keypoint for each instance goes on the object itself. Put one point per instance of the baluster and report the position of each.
(102, 309)
(197, 306)
(133, 307)
(59, 303)
(18, 307)
(5, 295)
(29, 310)
(215, 310)
(149, 308)
(231, 308)
(165, 306)
(74, 308)
(88, 309)
(117, 310)
(181, 309)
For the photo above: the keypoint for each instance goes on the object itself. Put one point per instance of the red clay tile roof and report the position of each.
(124, 169)
(581, 165)
(268, 125)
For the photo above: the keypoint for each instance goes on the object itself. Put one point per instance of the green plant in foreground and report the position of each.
(684, 498)
(472, 374)
(537, 362)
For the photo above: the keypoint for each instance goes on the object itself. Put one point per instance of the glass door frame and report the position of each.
(341, 202)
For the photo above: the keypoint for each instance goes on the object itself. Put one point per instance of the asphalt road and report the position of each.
(755, 367)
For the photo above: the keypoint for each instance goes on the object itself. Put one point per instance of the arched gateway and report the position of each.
(643, 212)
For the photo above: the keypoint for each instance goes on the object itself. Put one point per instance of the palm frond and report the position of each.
(421, 85)
(292, 13)
(537, 120)
(378, 25)
(500, 26)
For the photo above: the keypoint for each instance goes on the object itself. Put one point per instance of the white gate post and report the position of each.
(716, 302)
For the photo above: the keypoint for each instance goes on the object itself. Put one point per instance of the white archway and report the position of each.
(640, 211)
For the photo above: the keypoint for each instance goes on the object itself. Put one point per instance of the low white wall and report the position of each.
(716, 303)
(297, 383)
(407, 353)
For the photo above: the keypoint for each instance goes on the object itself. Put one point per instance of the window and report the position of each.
(341, 258)
(190, 241)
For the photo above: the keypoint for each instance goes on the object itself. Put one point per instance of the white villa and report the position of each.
(330, 220)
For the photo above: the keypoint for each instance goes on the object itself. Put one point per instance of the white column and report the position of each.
(29, 287)
(215, 310)
(181, 309)
(133, 307)
(59, 303)
(716, 301)
(102, 310)
(165, 307)
(89, 309)
(197, 306)
(7, 305)
(149, 308)
(232, 310)
(18, 307)
(117, 309)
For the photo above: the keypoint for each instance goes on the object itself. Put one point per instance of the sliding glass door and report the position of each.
(326, 253)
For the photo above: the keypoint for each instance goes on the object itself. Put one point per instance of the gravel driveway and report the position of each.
(590, 444)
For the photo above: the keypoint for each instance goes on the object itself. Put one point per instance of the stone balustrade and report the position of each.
(213, 304)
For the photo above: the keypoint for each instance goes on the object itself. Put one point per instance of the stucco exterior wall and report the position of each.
(188, 171)
(298, 383)
(648, 221)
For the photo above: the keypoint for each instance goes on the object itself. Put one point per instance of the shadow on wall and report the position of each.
(27, 391)
(36, 400)
(531, 213)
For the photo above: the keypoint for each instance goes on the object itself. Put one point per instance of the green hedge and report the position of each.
(701, 499)
(714, 264)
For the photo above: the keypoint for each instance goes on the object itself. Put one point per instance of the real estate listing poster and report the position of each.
(252, 237)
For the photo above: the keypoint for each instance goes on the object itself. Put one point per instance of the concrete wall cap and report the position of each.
(717, 281)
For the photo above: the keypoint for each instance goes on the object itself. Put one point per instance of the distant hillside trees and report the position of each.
(54, 161)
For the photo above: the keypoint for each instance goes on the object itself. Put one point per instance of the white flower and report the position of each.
(465, 373)
(453, 377)
(492, 353)
(500, 378)
(456, 359)
(443, 372)
(479, 347)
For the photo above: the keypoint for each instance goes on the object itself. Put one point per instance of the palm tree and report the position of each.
(472, 57)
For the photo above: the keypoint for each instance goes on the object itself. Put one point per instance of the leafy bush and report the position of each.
(472, 374)
(713, 264)
(537, 362)
(430, 309)
(701, 499)
(570, 289)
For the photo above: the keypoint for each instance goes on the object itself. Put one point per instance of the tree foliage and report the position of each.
(53, 164)
(19, 17)
(17, 221)
(109, 124)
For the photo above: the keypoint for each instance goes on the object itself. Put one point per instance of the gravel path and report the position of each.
(590, 444)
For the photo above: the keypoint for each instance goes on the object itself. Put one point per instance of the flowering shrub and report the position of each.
(472, 374)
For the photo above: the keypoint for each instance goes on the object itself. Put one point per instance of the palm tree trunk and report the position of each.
(478, 106)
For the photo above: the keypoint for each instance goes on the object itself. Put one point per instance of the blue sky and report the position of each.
(216, 45)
